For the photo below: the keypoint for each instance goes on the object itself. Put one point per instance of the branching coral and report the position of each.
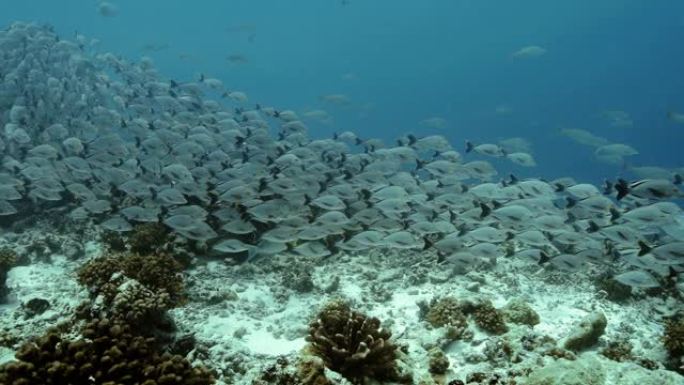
(353, 344)
(108, 353)
(134, 287)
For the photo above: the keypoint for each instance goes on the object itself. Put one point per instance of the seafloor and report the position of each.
(250, 320)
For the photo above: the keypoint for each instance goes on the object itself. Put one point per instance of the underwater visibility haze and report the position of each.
(341, 192)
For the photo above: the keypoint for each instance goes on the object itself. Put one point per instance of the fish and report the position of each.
(336, 99)
(489, 149)
(530, 51)
(618, 118)
(434, 122)
(522, 159)
(107, 9)
(584, 137)
(237, 58)
(111, 143)
(648, 188)
(676, 117)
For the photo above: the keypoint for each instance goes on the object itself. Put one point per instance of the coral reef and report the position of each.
(112, 241)
(354, 344)
(452, 313)
(157, 272)
(587, 332)
(500, 351)
(35, 306)
(307, 371)
(108, 353)
(148, 238)
(298, 278)
(8, 258)
(144, 238)
(133, 287)
(446, 311)
(519, 312)
(489, 318)
(614, 290)
(673, 340)
(619, 351)
(438, 361)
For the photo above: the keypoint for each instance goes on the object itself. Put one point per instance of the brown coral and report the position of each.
(109, 353)
(673, 338)
(619, 351)
(353, 344)
(157, 272)
(8, 258)
(148, 238)
(113, 241)
(132, 287)
(438, 361)
(447, 311)
(489, 319)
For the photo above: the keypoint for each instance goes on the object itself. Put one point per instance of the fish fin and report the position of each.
(428, 243)
(485, 210)
(543, 258)
(622, 188)
(593, 227)
(608, 187)
(644, 248)
(614, 214)
(672, 274)
(468, 146)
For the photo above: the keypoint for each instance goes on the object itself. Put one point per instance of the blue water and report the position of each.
(401, 61)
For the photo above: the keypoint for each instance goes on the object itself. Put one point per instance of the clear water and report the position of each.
(400, 62)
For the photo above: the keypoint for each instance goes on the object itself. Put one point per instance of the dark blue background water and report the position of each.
(401, 62)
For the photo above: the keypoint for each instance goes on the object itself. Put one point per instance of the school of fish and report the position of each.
(112, 143)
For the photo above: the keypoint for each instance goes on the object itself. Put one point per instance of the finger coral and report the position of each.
(353, 344)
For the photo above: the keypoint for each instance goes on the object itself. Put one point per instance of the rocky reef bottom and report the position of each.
(377, 318)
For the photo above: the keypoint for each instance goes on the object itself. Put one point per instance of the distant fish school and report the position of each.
(108, 143)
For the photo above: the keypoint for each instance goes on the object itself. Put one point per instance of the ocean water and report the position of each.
(401, 62)
(478, 72)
